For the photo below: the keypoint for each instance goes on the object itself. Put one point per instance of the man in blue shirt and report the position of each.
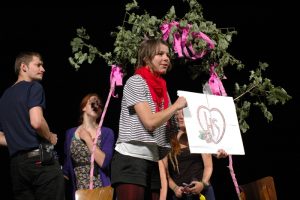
(35, 171)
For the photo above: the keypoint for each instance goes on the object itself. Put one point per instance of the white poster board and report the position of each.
(211, 124)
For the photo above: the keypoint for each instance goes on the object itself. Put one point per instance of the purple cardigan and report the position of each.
(107, 146)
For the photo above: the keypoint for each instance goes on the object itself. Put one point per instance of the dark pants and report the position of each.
(33, 181)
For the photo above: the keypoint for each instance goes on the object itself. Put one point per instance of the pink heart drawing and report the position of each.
(212, 123)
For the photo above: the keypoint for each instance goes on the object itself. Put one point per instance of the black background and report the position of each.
(266, 32)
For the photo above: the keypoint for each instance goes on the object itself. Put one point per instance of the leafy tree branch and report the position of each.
(137, 26)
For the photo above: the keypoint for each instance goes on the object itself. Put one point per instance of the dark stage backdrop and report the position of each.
(266, 32)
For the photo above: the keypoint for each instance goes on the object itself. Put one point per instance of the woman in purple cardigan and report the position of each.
(79, 144)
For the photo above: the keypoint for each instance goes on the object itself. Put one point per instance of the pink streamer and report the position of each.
(217, 88)
(236, 185)
(115, 79)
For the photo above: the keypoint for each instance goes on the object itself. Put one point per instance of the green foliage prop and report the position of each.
(259, 91)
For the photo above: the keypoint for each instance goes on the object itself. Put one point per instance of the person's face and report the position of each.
(161, 61)
(34, 70)
(93, 107)
(180, 119)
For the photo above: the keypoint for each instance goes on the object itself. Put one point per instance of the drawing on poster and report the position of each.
(211, 123)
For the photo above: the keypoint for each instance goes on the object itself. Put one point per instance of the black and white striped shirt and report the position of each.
(131, 129)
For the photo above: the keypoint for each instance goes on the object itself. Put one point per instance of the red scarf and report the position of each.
(157, 86)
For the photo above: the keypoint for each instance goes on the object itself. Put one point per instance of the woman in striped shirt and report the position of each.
(146, 124)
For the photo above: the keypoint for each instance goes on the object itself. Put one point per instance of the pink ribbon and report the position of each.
(215, 83)
(196, 55)
(204, 37)
(177, 45)
(236, 185)
(184, 37)
(217, 88)
(166, 29)
(116, 76)
(180, 45)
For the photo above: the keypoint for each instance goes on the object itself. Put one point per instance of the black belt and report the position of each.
(29, 154)
(33, 153)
